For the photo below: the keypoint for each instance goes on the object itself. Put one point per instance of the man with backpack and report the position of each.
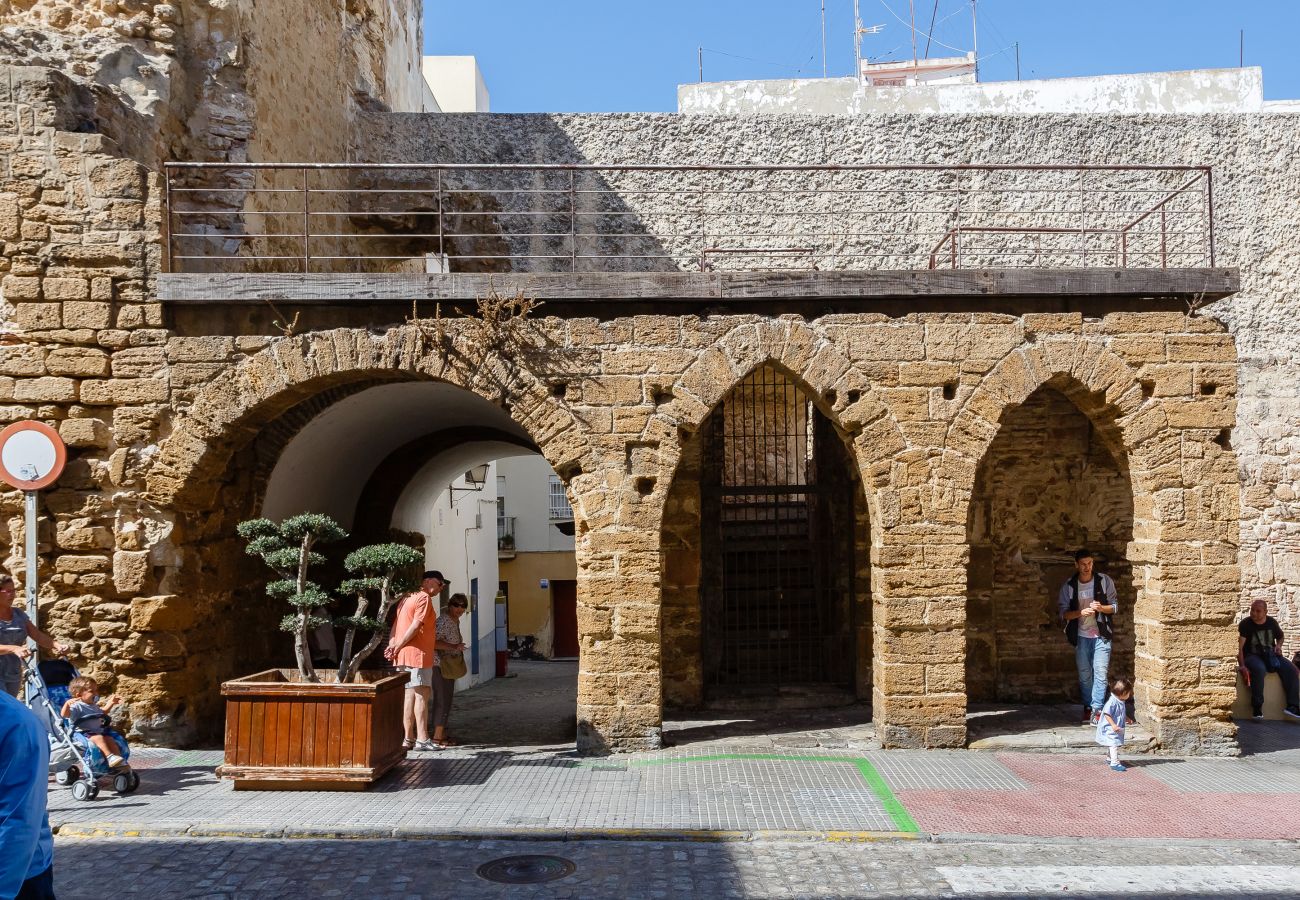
(1088, 603)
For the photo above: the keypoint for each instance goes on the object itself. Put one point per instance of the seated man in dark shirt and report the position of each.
(1260, 652)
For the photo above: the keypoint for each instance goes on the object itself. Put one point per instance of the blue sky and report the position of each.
(619, 55)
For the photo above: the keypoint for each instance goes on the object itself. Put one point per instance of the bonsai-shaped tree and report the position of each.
(382, 568)
(287, 549)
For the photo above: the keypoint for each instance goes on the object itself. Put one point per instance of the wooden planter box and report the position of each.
(286, 734)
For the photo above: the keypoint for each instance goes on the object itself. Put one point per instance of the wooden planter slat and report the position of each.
(283, 734)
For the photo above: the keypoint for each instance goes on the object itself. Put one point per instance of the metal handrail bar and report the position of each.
(747, 167)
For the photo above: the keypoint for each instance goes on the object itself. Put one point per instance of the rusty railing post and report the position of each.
(1164, 246)
(1209, 211)
(167, 219)
(306, 223)
(443, 264)
(956, 233)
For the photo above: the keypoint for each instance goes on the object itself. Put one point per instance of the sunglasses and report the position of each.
(459, 606)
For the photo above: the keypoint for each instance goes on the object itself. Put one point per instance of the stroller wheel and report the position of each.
(122, 783)
(67, 776)
(135, 781)
(82, 791)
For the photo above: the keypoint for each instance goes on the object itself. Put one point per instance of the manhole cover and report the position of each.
(526, 869)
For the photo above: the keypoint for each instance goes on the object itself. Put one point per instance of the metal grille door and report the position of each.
(777, 542)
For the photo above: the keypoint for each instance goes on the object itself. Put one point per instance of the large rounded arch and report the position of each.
(305, 422)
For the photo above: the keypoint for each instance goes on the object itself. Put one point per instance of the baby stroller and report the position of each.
(74, 759)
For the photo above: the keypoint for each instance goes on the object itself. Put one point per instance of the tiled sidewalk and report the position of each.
(733, 793)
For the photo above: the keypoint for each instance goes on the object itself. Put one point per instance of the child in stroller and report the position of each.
(90, 718)
(76, 759)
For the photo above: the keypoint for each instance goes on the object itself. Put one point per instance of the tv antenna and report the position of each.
(858, 32)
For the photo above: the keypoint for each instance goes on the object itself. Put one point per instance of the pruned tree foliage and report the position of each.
(377, 569)
(287, 549)
(381, 569)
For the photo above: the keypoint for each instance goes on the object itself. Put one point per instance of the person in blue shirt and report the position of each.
(1110, 724)
(26, 845)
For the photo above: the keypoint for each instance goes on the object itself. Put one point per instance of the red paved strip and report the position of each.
(1081, 797)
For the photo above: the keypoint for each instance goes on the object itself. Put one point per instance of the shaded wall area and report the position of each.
(1047, 486)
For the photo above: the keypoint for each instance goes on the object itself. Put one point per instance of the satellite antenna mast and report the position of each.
(911, 7)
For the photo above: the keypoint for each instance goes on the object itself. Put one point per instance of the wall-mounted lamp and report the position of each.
(476, 479)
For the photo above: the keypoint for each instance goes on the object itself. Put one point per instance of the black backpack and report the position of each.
(1103, 619)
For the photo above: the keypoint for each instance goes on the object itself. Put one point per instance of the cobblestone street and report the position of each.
(88, 869)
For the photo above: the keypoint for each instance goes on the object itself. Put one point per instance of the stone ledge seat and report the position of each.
(1274, 698)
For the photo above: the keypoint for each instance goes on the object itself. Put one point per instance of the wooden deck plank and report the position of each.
(689, 287)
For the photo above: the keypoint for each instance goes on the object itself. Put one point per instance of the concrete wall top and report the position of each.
(1197, 91)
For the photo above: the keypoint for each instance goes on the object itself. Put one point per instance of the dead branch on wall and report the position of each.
(493, 331)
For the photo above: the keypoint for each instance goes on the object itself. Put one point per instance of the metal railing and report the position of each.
(569, 218)
(558, 501)
(505, 532)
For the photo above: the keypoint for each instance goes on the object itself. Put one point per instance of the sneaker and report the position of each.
(1292, 712)
(115, 761)
(426, 745)
(1118, 767)
(1087, 716)
(1096, 717)
(1257, 713)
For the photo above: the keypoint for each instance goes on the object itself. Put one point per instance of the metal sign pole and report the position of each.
(29, 504)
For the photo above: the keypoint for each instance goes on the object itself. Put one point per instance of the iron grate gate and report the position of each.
(777, 552)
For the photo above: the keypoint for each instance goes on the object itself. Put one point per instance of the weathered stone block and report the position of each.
(81, 362)
(87, 314)
(84, 432)
(66, 288)
(38, 316)
(20, 287)
(167, 612)
(47, 389)
(117, 178)
(123, 391)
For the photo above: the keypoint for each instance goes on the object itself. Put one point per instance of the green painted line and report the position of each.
(898, 814)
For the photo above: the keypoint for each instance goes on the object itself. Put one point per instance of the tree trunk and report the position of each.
(300, 647)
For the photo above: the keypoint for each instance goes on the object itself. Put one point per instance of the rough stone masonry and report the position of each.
(1176, 433)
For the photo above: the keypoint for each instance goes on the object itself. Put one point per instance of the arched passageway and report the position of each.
(1048, 484)
(765, 538)
(411, 460)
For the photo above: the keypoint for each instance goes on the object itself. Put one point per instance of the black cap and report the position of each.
(434, 573)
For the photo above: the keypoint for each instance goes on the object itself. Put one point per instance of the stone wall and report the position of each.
(145, 575)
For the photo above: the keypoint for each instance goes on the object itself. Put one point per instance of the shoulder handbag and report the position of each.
(452, 664)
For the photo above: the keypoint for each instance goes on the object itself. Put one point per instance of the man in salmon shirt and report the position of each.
(411, 649)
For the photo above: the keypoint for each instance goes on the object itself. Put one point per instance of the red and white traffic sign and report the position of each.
(32, 455)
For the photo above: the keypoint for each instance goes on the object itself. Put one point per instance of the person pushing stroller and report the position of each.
(91, 718)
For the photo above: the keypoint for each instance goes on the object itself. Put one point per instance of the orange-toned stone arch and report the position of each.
(194, 463)
(1184, 480)
(841, 392)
